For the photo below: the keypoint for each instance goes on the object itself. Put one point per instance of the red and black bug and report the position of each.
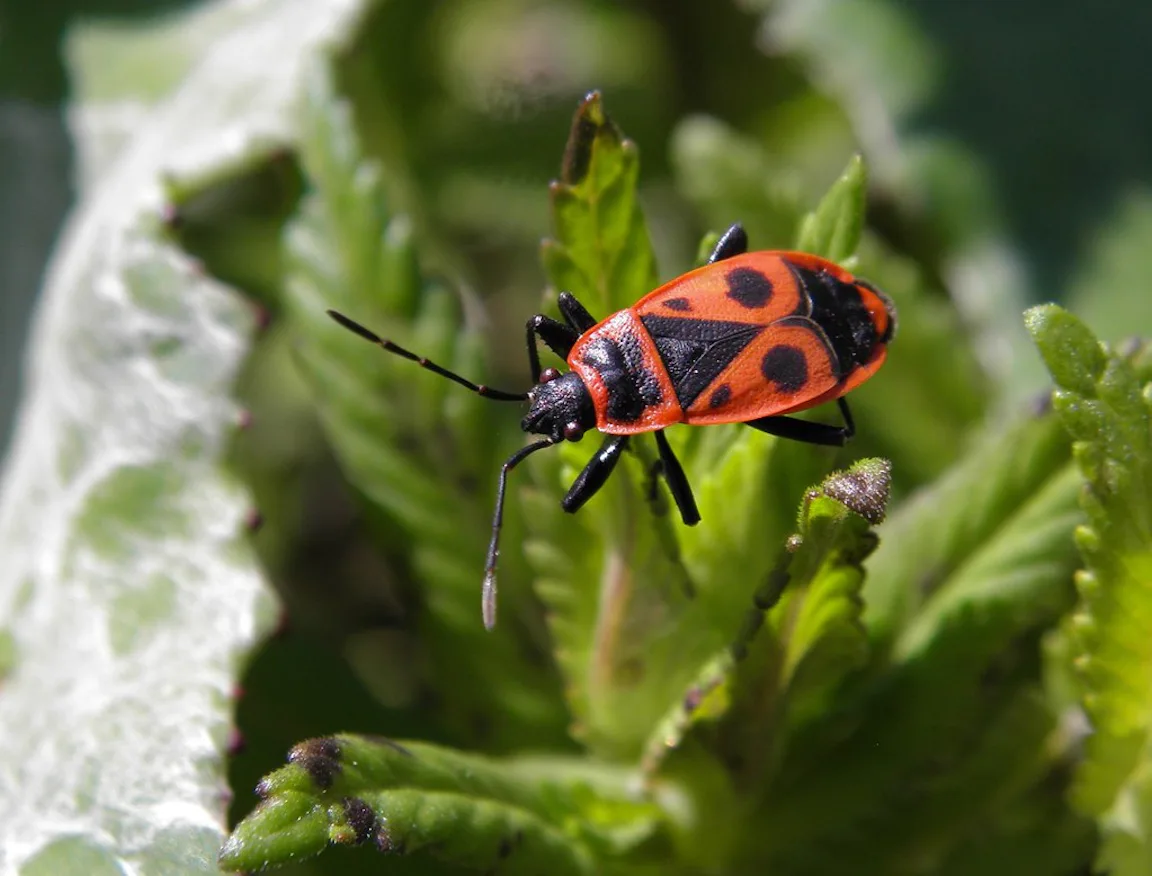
(747, 338)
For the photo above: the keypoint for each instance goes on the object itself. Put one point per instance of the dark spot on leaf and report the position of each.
(253, 520)
(361, 819)
(236, 742)
(785, 366)
(506, 848)
(720, 396)
(385, 843)
(863, 489)
(320, 758)
(692, 699)
(589, 123)
(682, 305)
(749, 288)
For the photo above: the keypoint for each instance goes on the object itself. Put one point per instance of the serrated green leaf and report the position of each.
(1074, 357)
(347, 252)
(995, 573)
(615, 638)
(132, 596)
(812, 635)
(833, 229)
(937, 530)
(1102, 401)
(601, 252)
(529, 815)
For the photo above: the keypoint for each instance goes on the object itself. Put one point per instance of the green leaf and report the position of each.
(1102, 400)
(615, 643)
(601, 252)
(833, 229)
(809, 607)
(132, 594)
(939, 529)
(347, 252)
(946, 720)
(529, 815)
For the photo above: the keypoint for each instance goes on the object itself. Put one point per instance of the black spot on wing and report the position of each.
(620, 364)
(695, 351)
(720, 396)
(840, 312)
(682, 305)
(748, 288)
(786, 366)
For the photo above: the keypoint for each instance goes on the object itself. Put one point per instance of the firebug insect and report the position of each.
(747, 338)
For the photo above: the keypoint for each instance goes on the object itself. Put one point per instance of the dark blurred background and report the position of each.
(1046, 102)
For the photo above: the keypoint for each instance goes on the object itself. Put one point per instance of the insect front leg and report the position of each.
(677, 482)
(733, 242)
(809, 432)
(559, 337)
(595, 473)
(574, 313)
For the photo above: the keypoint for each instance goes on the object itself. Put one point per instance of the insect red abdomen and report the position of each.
(755, 335)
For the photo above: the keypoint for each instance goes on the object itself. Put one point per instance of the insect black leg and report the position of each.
(733, 242)
(558, 336)
(677, 482)
(488, 594)
(809, 432)
(574, 313)
(849, 423)
(595, 473)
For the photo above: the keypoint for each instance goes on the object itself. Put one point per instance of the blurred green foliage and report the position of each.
(770, 691)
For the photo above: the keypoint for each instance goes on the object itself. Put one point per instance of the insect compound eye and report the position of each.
(548, 375)
(573, 432)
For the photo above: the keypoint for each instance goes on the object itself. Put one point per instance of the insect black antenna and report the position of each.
(488, 594)
(384, 344)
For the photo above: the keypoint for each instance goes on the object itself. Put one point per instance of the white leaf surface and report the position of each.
(128, 596)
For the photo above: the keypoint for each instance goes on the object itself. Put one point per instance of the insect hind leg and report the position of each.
(677, 481)
(807, 431)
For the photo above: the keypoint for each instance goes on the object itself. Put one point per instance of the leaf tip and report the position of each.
(588, 124)
(863, 489)
(319, 759)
